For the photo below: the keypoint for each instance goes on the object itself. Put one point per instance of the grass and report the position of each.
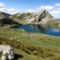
(54, 23)
(22, 18)
(31, 46)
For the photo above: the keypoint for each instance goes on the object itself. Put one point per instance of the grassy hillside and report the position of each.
(54, 23)
(31, 46)
(22, 17)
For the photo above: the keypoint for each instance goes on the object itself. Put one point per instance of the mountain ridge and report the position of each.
(41, 18)
(34, 17)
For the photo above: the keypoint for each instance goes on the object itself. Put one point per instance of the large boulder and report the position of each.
(7, 52)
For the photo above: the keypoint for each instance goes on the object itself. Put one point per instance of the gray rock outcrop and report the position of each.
(7, 52)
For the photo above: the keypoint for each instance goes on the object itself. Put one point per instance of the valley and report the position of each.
(30, 39)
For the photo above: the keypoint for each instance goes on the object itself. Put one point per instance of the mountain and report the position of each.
(22, 17)
(4, 15)
(6, 20)
(41, 17)
(54, 23)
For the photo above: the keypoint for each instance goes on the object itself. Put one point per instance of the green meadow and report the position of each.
(31, 46)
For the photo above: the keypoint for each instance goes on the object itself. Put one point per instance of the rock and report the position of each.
(3, 58)
(41, 17)
(7, 52)
(4, 55)
(10, 57)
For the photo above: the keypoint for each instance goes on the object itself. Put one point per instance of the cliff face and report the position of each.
(6, 21)
(45, 17)
(4, 15)
(4, 18)
(41, 17)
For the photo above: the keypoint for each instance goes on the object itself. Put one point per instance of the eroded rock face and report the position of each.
(6, 21)
(7, 52)
(4, 15)
(42, 17)
(3, 18)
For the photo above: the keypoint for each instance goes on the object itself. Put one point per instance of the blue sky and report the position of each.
(27, 4)
(15, 6)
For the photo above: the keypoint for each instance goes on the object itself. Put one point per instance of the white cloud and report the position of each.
(57, 4)
(2, 5)
(54, 10)
(46, 7)
(30, 10)
(13, 11)
(3, 8)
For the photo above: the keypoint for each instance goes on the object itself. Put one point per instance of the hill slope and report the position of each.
(6, 20)
(31, 18)
(54, 23)
(29, 46)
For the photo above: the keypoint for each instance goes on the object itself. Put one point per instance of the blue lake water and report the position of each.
(53, 31)
(28, 28)
(49, 30)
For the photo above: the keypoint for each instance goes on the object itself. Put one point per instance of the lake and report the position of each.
(53, 31)
(39, 29)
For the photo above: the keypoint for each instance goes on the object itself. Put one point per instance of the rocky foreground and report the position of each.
(7, 52)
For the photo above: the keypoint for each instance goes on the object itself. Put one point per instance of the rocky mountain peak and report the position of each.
(4, 15)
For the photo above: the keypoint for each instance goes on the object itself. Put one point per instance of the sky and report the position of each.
(16, 6)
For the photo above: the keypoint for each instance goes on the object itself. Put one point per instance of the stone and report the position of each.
(7, 52)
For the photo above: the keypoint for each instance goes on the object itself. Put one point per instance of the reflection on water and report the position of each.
(53, 31)
(28, 28)
(39, 28)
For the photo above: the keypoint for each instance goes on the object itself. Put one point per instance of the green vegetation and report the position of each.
(31, 46)
(54, 23)
(22, 17)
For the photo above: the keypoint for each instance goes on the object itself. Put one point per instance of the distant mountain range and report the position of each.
(6, 20)
(41, 17)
